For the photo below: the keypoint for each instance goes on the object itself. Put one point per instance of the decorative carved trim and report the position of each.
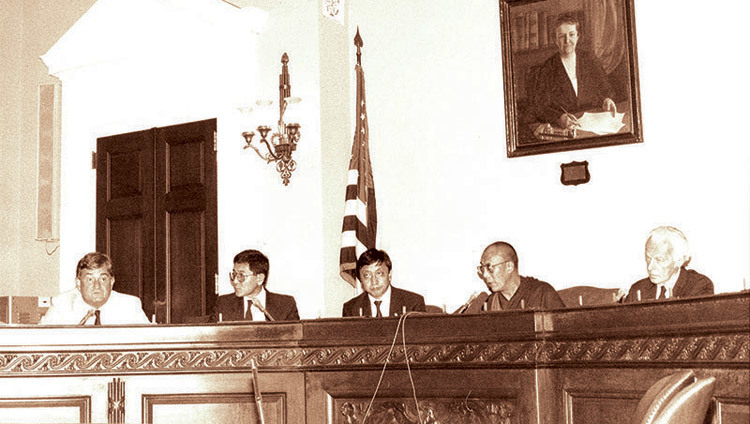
(724, 349)
(116, 401)
(432, 411)
(733, 348)
(523, 352)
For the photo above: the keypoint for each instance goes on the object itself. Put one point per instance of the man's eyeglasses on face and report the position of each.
(490, 268)
(378, 274)
(239, 277)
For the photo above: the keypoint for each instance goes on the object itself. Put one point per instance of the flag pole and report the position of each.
(359, 228)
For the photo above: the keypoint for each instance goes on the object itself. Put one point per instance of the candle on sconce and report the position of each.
(264, 114)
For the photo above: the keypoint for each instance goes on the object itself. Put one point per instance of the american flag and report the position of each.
(360, 216)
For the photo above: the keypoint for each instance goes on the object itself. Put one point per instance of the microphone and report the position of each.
(256, 389)
(476, 297)
(86, 317)
(258, 305)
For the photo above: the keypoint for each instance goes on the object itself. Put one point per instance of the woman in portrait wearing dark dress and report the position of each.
(570, 81)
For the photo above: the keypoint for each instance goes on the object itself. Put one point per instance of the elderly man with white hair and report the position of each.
(667, 255)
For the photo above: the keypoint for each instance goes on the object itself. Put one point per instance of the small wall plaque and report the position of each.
(575, 173)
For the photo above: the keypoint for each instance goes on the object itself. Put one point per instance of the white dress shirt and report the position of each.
(669, 285)
(69, 308)
(385, 307)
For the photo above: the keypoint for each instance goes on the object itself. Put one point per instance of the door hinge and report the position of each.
(216, 284)
(216, 142)
(93, 159)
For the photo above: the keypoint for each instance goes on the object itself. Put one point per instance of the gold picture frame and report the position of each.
(537, 86)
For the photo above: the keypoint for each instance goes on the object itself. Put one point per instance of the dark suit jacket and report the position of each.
(399, 300)
(554, 91)
(281, 307)
(690, 283)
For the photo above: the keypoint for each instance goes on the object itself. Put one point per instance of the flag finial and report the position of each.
(358, 42)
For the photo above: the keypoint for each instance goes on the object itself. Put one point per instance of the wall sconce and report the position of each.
(282, 142)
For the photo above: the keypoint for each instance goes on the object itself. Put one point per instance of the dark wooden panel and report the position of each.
(187, 275)
(128, 252)
(124, 207)
(185, 162)
(125, 211)
(125, 176)
(600, 407)
(421, 327)
(430, 410)
(608, 394)
(733, 410)
(710, 313)
(46, 409)
(487, 396)
(186, 201)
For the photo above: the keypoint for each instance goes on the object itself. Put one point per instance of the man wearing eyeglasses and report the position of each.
(498, 269)
(93, 302)
(251, 301)
(379, 297)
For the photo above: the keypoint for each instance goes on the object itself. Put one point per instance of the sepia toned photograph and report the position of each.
(306, 212)
(570, 74)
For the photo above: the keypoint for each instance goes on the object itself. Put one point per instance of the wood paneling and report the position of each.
(587, 365)
(732, 410)
(593, 407)
(124, 210)
(67, 409)
(225, 408)
(186, 219)
(156, 216)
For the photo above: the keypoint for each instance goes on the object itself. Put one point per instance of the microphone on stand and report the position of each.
(476, 297)
(256, 389)
(258, 305)
(86, 317)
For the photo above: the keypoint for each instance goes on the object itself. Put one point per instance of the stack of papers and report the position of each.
(601, 122)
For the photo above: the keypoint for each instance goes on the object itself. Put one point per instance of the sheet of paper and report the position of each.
(601, 122)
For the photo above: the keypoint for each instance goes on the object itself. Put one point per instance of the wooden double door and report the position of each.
(156, 216)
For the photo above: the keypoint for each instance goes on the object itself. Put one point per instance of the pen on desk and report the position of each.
(570, 115)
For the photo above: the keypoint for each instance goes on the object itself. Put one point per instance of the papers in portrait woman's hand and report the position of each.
(601, 122)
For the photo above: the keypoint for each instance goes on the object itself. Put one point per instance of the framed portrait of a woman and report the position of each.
(570, 75)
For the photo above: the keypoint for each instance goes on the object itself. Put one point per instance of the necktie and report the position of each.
(662, 292)
(378, 314)
(98, 320)
(249, 312)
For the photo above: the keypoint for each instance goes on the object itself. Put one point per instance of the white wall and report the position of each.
(446, 188)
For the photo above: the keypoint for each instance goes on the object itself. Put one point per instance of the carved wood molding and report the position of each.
(733, 348)
(434, 410)
(116, 401)
(723, 349)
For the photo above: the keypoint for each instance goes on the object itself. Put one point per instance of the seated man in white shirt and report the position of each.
(251, 301)
(93, 302)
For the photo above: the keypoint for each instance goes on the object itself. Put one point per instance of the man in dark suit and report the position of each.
(380, 298)
(667, 255)
(251, 301)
